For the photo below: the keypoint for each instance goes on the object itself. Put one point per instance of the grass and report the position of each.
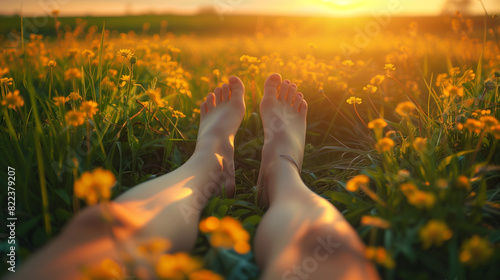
(431, 189)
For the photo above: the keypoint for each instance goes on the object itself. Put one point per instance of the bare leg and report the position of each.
(167, 207)
(302, 236)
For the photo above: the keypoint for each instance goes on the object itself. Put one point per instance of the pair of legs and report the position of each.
(302, 236)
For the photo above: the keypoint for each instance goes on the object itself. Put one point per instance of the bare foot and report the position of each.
(221, 115)
(283, 111)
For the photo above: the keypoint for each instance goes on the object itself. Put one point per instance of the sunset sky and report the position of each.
(289, 7)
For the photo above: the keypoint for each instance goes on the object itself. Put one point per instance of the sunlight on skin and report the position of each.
(139, 213)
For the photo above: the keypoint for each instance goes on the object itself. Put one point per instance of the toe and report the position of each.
(237, 89)
(292, 90)
(210, 101)
(218, 96)
(303, 108)
(203, 109)
(283, 90)
(271, 85)
(225, 92)
(297, 101)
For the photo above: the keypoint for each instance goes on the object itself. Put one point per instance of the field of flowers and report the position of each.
(403, 129)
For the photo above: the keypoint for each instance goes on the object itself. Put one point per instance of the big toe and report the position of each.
(271, 85)
(237, 89)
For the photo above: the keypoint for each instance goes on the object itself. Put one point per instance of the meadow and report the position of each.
(402, 135)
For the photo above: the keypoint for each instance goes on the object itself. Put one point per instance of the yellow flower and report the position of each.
(112, 72)
(389, 67)
(74, 96)
(384, 145)
(380, 255)
(125, 53)
(51, 64)
(153, 248)
(4, 71)
(13, 100)
(216, 72)
(205, 79)
(375, 221)
(353, 100)
(359, 181)
(177, 266)
(125, 78)
(6, 81)
(54, 13)
(89, 108)
(377, 80)
(178, 114)
(347, 62)
(420, 144)
(453, 91)
(416, 197)
(488, 122)
(88, 53)
(154, 95)
(377, 124)
(463, 182)
(204, 274)
(106, 269)
(60, 100)
(95, 186)
(495, 131)
(434, 233)
(405, 109)
(74, 118)
(227, 233)
(370, 89)
(475, 251)
(72, 73)
(474, 125)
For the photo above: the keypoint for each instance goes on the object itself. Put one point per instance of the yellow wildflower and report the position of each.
(74, 118)
(60, 100)
(405, 109)
(95, 186)
(6, 81)
(74, 96)
(420, 144)
(488, 122)
(106, 269)
(88, 53)
(54, 13)
(125, 53)
(89, 108)
(416, 197)
(442, 79)
(178, 114)
(389, 67)
(495, 131)
(13, 100)
(204, 274)
(377, 124)
(153, 248)
(375, 221)
(434, 233)
(380, 255)
(112, 72)
(353, 100)
(384, 145)
(72, 73)
(370, 89)
(177, 266)
(226, 232)
(475, 251)
(216, 72)
(474, 125)
(377, 80)
(359, 181)
(463, 182)
(51, 64)
(451, 90)
(205, 79)
(154, 95)
(347, 62)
